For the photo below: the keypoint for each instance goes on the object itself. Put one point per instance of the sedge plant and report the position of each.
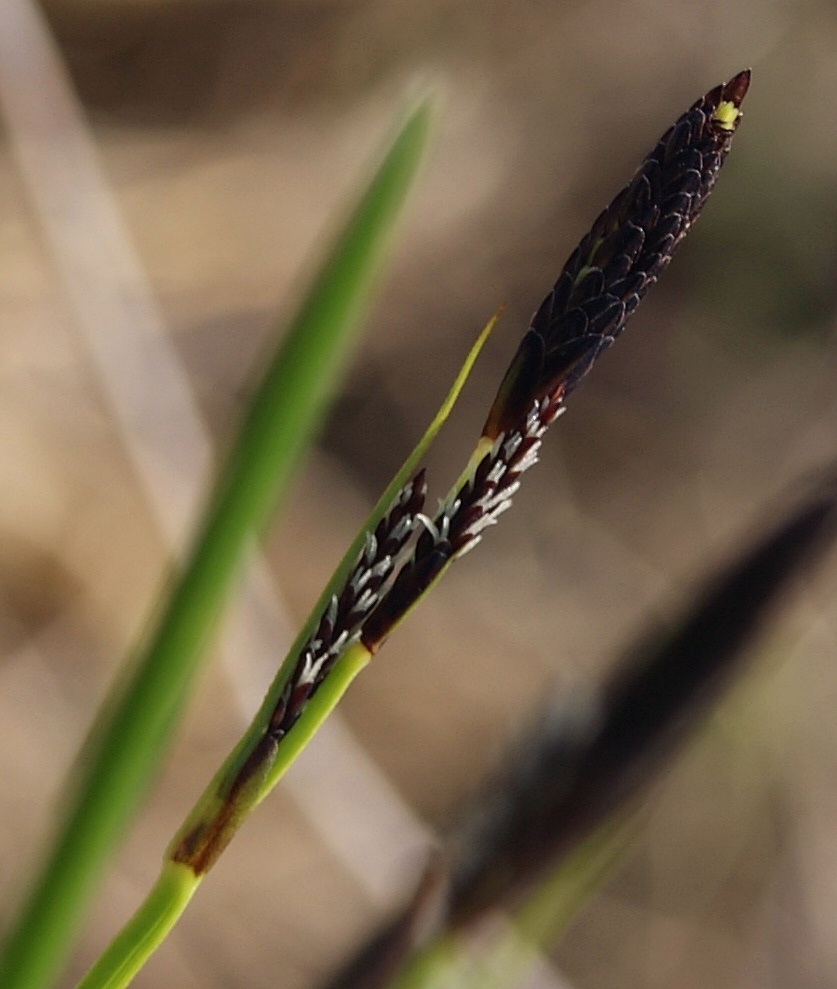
(399, 555)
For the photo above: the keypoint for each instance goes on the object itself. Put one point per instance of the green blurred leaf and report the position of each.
(136, 723)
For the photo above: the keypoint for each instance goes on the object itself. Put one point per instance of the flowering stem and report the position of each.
(402, 552)
(268, 747)
(129, 950)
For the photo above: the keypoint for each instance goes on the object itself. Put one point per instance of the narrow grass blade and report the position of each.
(128, 740)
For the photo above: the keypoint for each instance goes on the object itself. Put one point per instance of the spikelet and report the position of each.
(598, 290)
(626, 249)
(340, 624)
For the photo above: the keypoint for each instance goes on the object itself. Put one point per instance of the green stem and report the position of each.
(128, 951)
(536, 923)
(169, 896)
(245, 782)
(215, 799)
(548, 909)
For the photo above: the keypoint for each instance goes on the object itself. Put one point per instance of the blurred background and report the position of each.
(169, 170)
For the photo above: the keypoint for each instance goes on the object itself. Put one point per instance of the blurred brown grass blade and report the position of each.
(380, 959)
(584, 762)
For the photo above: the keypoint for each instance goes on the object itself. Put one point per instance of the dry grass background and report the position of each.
(228, 132)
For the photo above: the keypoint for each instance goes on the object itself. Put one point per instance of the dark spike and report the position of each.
(340, 625)
(628, 246)
(410, 584)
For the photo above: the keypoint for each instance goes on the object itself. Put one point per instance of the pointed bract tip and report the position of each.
(736, 89)
(726, 100)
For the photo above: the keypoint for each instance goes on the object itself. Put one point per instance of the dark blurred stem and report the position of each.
(545, 831)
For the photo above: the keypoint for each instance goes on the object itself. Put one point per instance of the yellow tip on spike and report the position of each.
(726, 116)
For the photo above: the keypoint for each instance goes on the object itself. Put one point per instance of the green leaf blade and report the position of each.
(133, 730)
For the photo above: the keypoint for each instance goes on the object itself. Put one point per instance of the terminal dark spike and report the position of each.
(620, 258)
